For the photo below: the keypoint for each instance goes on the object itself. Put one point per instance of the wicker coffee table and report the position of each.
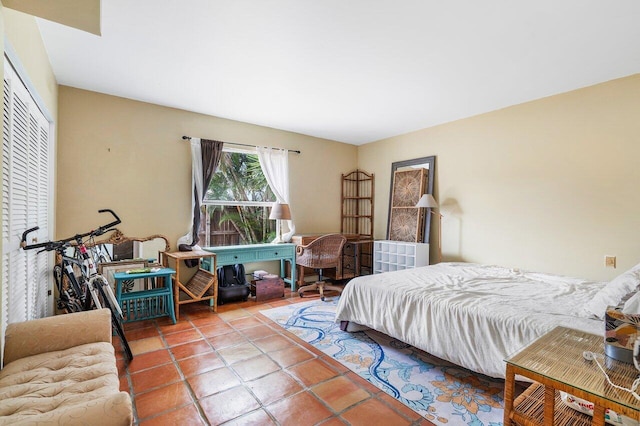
(555, 363)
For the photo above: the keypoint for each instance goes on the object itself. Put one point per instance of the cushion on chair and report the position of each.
(64, 387)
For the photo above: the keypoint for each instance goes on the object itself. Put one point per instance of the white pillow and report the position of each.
(612, 293)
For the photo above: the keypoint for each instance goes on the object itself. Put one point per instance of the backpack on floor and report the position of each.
(232, 283)
(230, 275)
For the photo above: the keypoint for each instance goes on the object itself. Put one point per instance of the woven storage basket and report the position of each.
(530, 403)
(200, 283)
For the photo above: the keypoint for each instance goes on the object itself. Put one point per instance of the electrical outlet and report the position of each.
(610, 261)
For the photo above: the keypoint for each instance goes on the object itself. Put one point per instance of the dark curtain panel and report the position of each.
(211, 154)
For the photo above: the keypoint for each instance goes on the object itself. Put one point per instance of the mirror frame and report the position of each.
(431, 161)
(117, 237)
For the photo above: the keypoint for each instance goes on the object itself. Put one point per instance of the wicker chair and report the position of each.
(323, 252)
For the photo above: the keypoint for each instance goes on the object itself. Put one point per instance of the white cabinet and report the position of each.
(396, 255)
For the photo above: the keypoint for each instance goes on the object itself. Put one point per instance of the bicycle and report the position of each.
(93, 290)
(98, 252)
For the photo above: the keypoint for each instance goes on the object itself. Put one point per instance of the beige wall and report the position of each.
(128, 156)
(549, 185)
(21, 31)
(81, 14)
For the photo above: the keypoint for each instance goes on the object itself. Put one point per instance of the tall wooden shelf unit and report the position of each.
(357, 204)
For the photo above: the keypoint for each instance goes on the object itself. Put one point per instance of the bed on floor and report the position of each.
(477, 315)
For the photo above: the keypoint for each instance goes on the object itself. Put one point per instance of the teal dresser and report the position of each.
(249, 253)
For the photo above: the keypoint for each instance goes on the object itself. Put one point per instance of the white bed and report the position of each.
(472, 315)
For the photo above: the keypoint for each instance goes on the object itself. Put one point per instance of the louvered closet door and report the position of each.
(26, 193)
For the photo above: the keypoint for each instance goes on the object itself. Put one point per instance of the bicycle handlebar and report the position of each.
(104, 228)
(55, 245)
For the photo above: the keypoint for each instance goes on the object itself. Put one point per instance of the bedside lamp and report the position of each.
(280, 211)
(427, 201)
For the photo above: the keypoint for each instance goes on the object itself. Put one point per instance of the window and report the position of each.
(26, 195)
(237, 202)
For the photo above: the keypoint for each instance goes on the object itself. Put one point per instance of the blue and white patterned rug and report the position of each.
(441, 392)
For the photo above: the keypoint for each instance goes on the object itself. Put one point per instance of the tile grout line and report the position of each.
(263, 407)
(320, 355)
(242, 382)
(192, 394)
(309, 389)
(183, 379)
(260, 320)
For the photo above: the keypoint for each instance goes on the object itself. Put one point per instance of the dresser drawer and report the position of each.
(235, 257)
(275, 253)
(348, 264)
(349, 249)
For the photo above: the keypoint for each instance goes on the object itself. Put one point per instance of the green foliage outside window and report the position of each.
(239, 180)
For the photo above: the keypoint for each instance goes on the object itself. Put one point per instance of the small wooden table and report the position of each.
(146, 304)
(555, 362)
(203, 285)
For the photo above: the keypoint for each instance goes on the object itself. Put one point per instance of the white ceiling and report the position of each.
(353, 71)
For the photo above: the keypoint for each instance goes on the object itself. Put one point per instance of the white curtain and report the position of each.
(275, 166)
(197, 184)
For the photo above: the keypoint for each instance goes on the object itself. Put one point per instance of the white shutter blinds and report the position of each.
(6, 145)
(44, 195)
(25, 201)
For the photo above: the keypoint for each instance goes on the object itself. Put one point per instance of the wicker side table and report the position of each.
(529, 405)
(555, 363)
(202, 286)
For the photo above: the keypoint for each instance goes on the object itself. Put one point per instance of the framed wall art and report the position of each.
(410, 179)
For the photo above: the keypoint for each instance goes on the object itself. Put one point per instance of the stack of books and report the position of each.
(259, 274)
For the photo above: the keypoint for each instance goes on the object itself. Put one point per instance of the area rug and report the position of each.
(441, 392)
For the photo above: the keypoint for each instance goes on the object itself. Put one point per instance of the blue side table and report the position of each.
(146, 304)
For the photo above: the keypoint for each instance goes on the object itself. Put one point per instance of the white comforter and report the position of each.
(472, 315)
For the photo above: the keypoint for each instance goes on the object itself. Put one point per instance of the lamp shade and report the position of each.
(280, 211)
(428, 201)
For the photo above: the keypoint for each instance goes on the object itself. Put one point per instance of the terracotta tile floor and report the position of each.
(237, 367)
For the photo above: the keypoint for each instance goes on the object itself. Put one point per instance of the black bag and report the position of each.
(230, 275)
(232, 283)
(191, 263)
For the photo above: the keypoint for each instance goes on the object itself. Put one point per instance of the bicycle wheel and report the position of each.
(115, 322)
(94, 296)
(70, 304)
(73, 283)
(57, 278)
(86, 297)
(100, 281)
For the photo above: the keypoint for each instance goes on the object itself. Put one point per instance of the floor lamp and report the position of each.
(427, 201)
(280, 212)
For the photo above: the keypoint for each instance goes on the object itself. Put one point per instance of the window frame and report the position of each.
(236, 202)
(232, 203)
